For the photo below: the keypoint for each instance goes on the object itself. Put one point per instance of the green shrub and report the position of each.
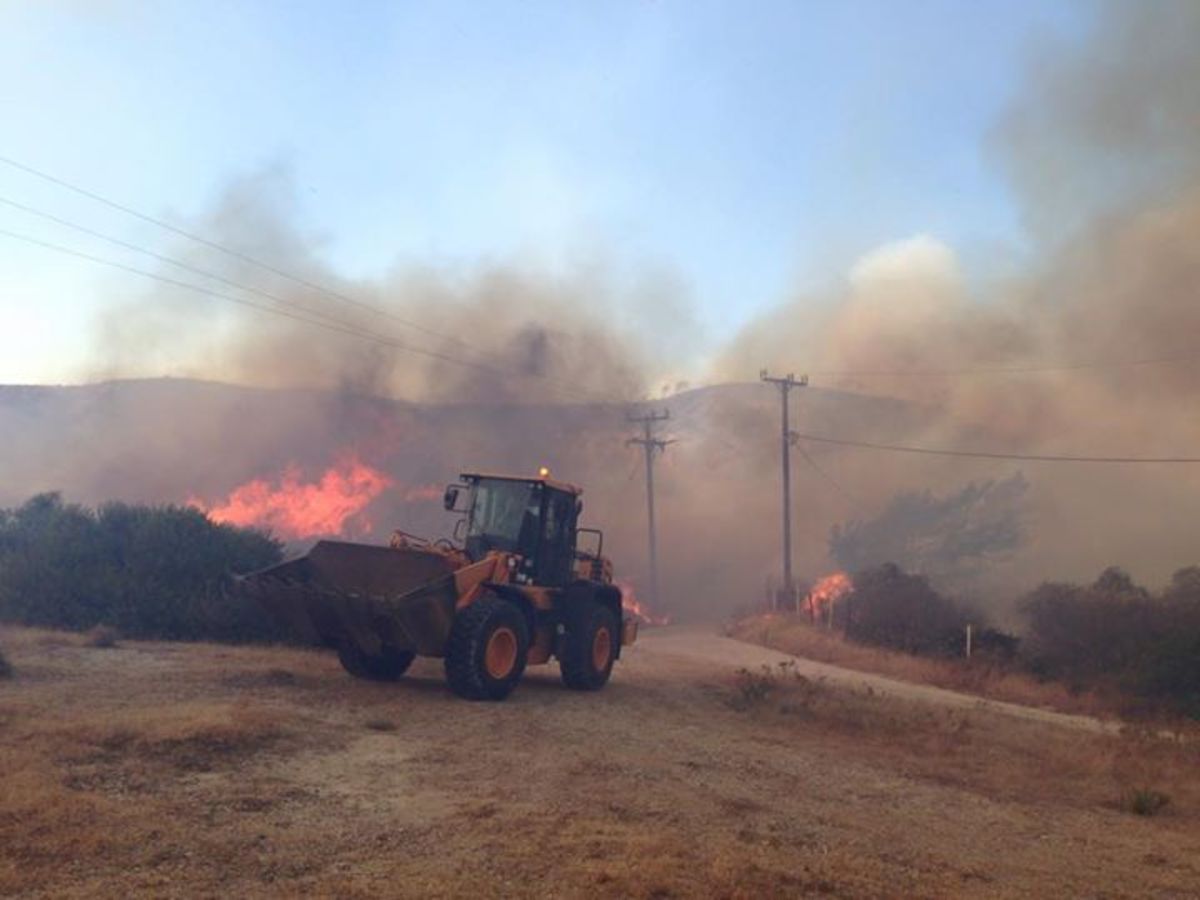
(147, 571)
(891, 608)
(1116, 632)
(1144, 801)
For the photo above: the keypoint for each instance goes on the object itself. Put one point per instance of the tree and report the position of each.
(945, 538)
(149, 571)
(892, 608)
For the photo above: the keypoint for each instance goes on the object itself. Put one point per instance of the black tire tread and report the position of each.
(390, 666)
(578, 672)
(464, 670)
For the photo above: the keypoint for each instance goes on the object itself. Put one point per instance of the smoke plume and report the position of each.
(1102, 147)
(510, 366)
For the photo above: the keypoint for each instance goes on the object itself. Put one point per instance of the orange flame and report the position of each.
(294, 508)
(630, 604)
(827, 592)
(423, 493)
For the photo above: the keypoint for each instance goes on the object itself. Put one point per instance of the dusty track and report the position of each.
(159, 769)
(705, 646)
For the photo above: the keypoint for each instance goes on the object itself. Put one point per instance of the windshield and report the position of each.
(505, 517)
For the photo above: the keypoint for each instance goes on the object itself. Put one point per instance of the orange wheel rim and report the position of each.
(601, 648)
(501, 653)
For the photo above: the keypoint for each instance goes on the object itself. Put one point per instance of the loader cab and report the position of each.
(533, 517)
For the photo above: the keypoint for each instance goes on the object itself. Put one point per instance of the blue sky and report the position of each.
(750, 149)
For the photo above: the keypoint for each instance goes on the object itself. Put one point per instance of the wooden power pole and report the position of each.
(650, 444)
(785, 385)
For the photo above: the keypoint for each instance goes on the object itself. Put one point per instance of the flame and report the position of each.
(827, 592)
(295, 508)
(629, 603)
(423, 493)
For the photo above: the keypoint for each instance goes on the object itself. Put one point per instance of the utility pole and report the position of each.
(650, 444)
(785, 384)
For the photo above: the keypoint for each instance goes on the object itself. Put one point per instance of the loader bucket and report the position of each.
(379, 598)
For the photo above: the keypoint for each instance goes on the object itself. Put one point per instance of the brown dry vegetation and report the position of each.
(996, 755)
(160, 769)
(984, 676)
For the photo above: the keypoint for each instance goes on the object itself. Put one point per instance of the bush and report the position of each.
(891, 608)
(1117, 632)
(151, 572)
(102, 636)
(1144, 801)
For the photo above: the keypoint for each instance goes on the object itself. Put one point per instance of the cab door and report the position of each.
(557, 550)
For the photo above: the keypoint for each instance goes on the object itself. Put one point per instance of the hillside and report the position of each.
(170, 440)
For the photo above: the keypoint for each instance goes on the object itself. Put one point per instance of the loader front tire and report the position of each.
(489, 643)
(589, 646)
(388, 666)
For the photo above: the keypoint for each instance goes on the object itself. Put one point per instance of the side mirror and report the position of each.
(450, 498)
(599, 551)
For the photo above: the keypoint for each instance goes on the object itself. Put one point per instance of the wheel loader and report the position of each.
(513, 589)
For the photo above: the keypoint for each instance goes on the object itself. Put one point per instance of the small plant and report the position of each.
(753, 687)
(1144, 801)
(103, 636)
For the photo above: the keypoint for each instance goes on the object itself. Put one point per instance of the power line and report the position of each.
(332, 325)
(980, 454)
(325, 322)
(187, 267)
(1008, 370)
(236, 254)
(382, 311)
(825, 476)
(340, 324)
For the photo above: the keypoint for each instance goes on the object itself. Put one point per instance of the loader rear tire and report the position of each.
(388, 666)
(589, 646)
(489, 643)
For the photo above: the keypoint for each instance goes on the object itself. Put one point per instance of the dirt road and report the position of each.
(158, 769)
(705, 645)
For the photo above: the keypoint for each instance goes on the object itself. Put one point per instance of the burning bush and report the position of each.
(146, 571)
(1118, 632)
(891, 608)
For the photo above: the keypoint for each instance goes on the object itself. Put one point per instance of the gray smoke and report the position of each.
(1101, 145)
(950, 539)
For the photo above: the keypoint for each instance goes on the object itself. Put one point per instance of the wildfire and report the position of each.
(294, 508)
(629, 603)
(826, 593)
(423, 493)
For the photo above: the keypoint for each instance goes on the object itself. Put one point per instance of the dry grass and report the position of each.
(1135, 770)
(102, 636)
(70, 778)
(161, 769)
(982, 676)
